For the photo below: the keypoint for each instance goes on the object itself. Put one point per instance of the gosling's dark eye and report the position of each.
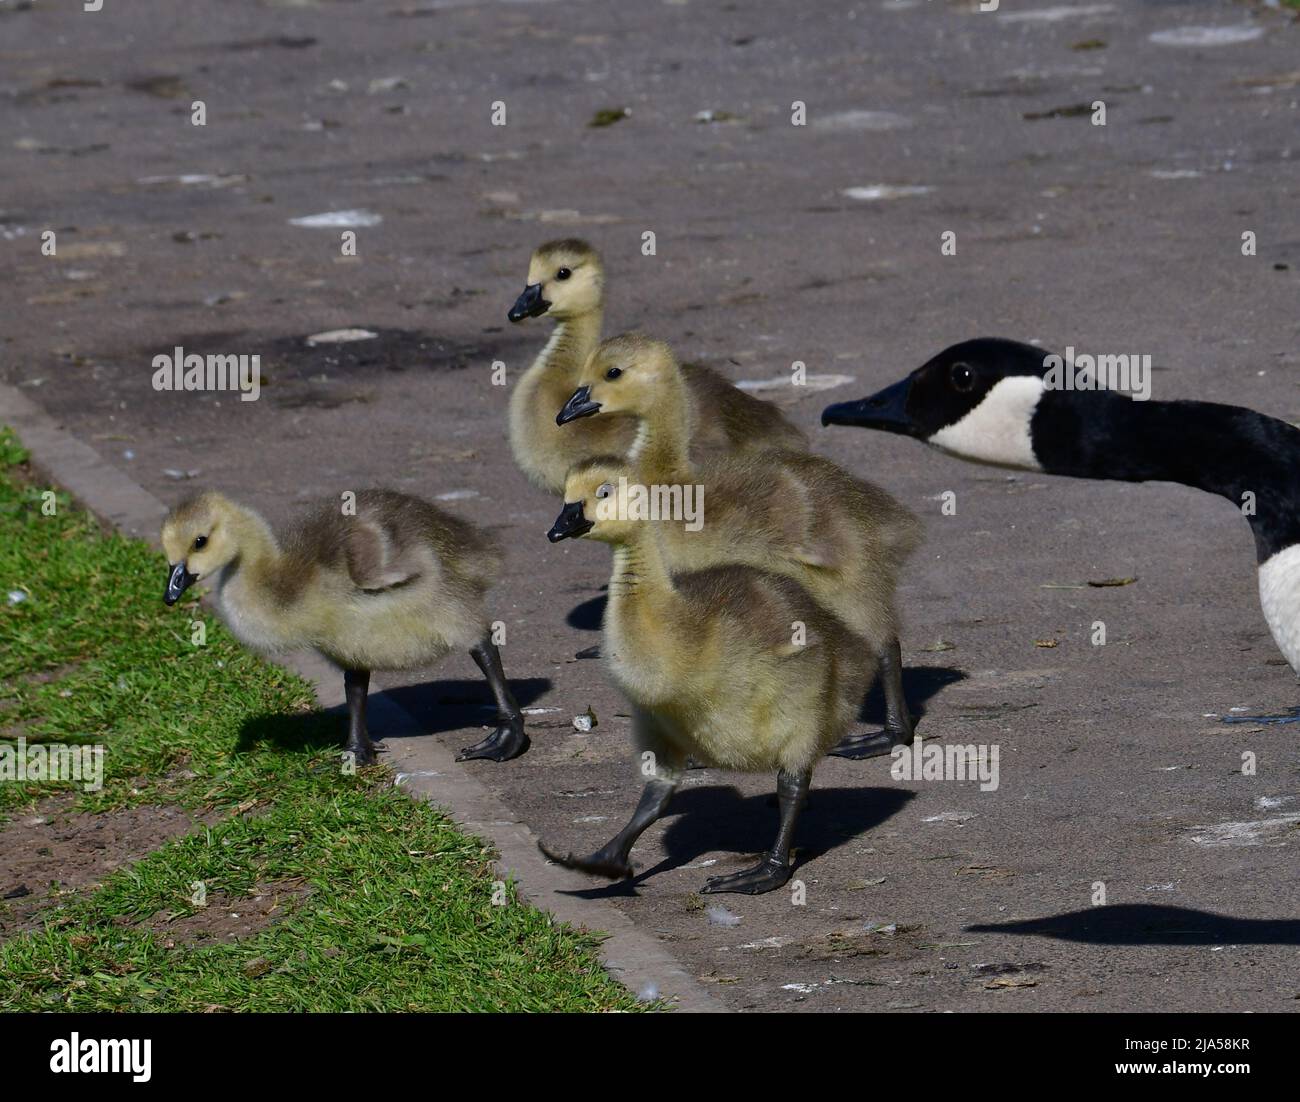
(963, 378)
(563, 273)
(604, 490)
(200, 542)
(613, 373)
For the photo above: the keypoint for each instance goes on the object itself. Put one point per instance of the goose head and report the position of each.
(596, 503)
(625, 374)
(565, 280)
(199, 537)
(975, 400)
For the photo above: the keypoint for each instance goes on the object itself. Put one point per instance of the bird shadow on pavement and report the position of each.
(588, 615)
(1152, 924)
(717, 818)
(920, 684)
(441, 706)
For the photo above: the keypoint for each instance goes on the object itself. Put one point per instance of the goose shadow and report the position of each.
(436, 707)
(713, 818)
(588, 615)
(1152, 924)
(441, 706)
(920, 684)
(296, 733)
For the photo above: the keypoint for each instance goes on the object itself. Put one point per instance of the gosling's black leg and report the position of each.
(899, 727)
(356, 684)
(611, 859)
(774, 870)
(510, 739)
(899, 724)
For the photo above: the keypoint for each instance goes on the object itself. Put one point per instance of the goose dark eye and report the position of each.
(605, 490)
(563, 273)
(963, 378)
(613, 373)
(200, 542)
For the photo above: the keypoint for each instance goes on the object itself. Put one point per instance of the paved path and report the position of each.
(1114, 760)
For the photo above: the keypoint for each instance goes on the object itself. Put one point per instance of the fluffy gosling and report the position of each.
(843, 539)
(731, 666)
(395, 585)
(566, 282)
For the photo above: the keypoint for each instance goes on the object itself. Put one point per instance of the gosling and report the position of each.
(566, 282)
(843, 539)
(732, 667)
(395, 584)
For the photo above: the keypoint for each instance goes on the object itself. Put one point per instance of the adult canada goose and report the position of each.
(733, 667)
(566, 282)
(1002, 402)
(392, 584)
(842, 539)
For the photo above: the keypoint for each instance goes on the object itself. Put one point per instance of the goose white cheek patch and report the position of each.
(997, 430)
(1279, 597)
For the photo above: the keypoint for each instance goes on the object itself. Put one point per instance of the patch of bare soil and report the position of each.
(227, 917)
(53, 852)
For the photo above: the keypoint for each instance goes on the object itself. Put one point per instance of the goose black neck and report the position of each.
(1244, 456)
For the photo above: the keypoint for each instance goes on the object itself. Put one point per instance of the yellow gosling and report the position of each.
(843, 539)
(566, 282)
(394, 584)
(733, 667)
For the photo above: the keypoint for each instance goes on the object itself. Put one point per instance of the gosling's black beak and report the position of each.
(570, 523)
(530, 304)
(178, 581)
(578, 405)
(886, 411)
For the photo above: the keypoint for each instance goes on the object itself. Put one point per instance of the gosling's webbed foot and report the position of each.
(362, 754)
(901, 736)
(600, 863)
(504, 743)
(859, 747)
(766, 876)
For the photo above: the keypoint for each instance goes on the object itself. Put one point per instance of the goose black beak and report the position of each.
(178, 581)
(530, 304)
(886, 411)
(571, 522)
(578, 405)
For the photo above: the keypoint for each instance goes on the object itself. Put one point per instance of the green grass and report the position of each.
(398, 912)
